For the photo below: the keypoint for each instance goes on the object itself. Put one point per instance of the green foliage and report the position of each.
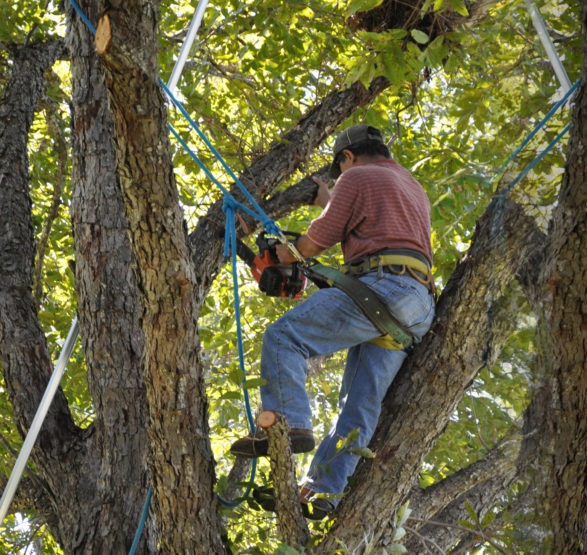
(458, 105)
(361, 6)
(26, 535)
(23, 18)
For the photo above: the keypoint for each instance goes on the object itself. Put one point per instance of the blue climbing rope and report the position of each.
(142, 521)
(533, 133)
(537, 159)
(83, 16)
(258, 214)
(230, 207)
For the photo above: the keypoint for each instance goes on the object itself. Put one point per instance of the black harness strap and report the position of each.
(364, 297)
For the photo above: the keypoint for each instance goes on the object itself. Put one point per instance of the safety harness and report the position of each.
(399, 262)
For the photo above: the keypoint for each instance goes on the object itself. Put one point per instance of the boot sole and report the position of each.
(265, 497)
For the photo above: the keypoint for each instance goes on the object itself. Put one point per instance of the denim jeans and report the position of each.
(330, 321)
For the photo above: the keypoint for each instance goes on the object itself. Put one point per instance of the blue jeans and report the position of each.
(330, 321)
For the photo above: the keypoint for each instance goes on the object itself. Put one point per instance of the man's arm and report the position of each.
(306, 247)
(322, 197)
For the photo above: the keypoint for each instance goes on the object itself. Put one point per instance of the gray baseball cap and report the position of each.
(352, 136)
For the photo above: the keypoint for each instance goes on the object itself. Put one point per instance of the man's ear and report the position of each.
(349, 156)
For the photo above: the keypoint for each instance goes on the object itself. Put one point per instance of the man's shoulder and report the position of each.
(386, 170)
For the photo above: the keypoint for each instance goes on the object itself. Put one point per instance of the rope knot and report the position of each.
(229, 204)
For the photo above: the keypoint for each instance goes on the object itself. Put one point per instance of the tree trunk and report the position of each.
(564, 430)
(182, 466)
(61, 454)
(108, 311)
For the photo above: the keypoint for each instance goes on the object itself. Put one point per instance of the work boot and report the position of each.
(257, 444)
(313, 507)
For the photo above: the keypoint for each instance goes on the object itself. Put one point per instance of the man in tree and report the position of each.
(381, 217)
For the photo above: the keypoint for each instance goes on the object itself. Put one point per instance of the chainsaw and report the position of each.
(274, 279)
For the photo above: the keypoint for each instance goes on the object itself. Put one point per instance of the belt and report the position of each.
(398, 264)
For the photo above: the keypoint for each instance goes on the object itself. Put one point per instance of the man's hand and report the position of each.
(322, 195)
(284, 254)
(306, 247)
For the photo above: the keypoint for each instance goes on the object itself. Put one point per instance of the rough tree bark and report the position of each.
(291, 525)
(85, 488)
(439, 509)
(25, 356)
(564, 429)
(181, 465)
(108, 309)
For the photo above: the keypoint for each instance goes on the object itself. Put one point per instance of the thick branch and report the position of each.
(291, 525)
(525, 249)
(181, 471)
(23, 349)
(443, 530)
(435, 377)
(394, 14)
(109, 315)
(501, 460)
(564, 430)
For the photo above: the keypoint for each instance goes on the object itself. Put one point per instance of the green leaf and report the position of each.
(419, 36)
(361, 6)
(459, 7)
(471, 512)
(231, 395)
(468, 524)
(403, 514)
(488, 519)
(253, 383)
(236, 377)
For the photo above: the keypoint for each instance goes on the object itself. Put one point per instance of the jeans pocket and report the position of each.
(409, 302)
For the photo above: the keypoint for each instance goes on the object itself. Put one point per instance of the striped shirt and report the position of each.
(373, 207)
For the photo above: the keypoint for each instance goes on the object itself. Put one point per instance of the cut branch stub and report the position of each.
(267, 418)
(291, 525)
(103, 35)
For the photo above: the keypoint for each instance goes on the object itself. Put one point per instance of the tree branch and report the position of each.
(435, 377)
(291, 525)
(24, 351)
(501, 460)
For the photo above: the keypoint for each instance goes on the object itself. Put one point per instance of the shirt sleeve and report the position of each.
(334, 224)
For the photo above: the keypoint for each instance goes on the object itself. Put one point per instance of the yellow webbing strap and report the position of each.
(376, 260)
(415, 267)
(387, 342)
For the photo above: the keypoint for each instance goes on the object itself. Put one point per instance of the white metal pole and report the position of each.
(187, 45)
(38, 420)
(548, 45)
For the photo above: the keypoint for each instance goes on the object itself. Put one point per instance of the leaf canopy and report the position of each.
(457, 106)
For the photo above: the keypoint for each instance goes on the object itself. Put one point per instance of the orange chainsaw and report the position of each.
(274, 278)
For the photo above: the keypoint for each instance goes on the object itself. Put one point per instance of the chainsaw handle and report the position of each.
(287, 238)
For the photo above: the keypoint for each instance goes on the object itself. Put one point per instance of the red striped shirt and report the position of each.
(373, 207)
